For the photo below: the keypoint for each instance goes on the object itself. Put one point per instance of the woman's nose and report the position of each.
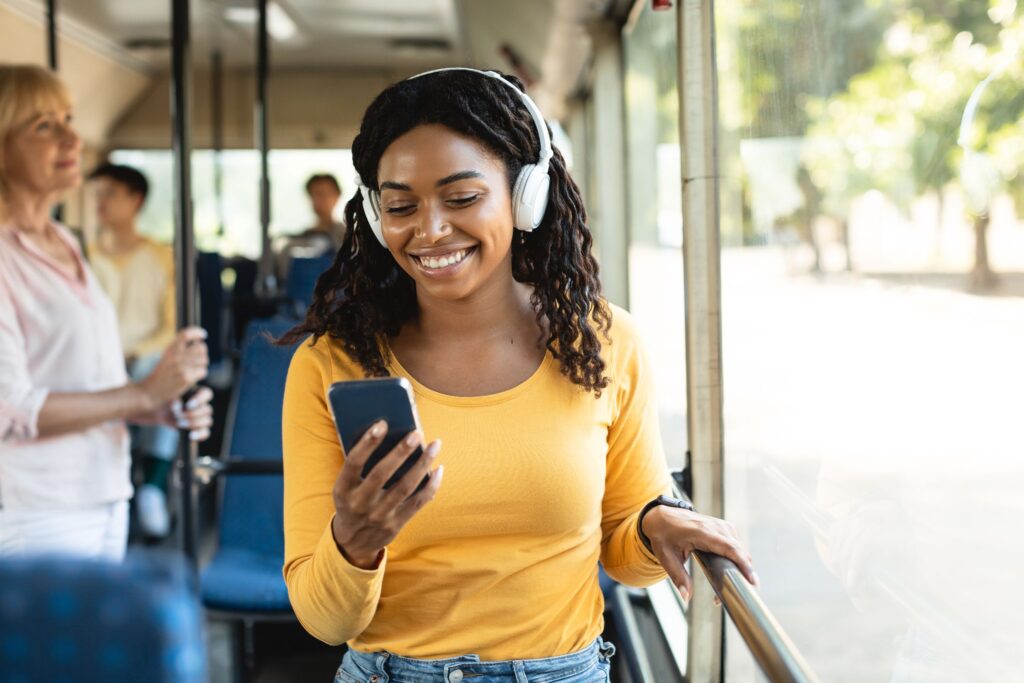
(434, 229)
(69, 137)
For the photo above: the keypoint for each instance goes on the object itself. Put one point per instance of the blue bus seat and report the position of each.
(72, 619)
(245, 572)
(302, 277)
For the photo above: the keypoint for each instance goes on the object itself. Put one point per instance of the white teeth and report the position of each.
(444, 261)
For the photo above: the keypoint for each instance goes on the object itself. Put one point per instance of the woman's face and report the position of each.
(42, 153)
(446, 211)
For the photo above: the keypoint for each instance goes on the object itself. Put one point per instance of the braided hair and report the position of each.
(364, 298)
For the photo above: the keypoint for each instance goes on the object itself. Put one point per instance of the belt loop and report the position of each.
(519, 670)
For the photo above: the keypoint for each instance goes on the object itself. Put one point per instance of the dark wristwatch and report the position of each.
(660, 500)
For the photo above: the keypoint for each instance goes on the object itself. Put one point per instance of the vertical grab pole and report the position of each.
(217, 127)
(698, 135)
(184, 249)
(263, 144)
(51, 34)
(51, 60)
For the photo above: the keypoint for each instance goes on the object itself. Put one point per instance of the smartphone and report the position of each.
(357, 404)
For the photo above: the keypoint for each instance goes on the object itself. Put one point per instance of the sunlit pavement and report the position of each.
(874, 459)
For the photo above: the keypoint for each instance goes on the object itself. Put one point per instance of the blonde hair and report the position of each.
(26, 90)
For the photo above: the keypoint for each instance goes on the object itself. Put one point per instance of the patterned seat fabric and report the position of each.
(71, 620)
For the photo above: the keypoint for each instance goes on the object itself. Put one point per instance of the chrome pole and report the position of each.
(51, 60)
(263, 144)
(217, 130)
(51, 33)
(698, 136)
(184, 249)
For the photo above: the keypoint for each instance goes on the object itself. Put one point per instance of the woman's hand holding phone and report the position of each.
(366, 515)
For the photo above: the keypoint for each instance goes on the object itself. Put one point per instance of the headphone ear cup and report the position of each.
(371, 208)
(530, 196)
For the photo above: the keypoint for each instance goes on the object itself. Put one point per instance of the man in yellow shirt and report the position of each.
(137, 274)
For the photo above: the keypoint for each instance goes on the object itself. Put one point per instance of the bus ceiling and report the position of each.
(327, 59)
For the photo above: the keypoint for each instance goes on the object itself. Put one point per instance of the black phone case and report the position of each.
(357, 404)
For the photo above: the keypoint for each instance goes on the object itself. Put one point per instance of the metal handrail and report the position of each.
(774, 652)
(207, 468)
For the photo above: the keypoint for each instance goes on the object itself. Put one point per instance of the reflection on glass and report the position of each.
(655, 212)
(873, 320)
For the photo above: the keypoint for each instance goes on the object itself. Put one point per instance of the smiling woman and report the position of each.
(64, 394)
(468, 272)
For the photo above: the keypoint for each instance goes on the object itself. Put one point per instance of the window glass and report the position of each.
(873, 320)
(873, 317)
(655, 212)
(231, 225)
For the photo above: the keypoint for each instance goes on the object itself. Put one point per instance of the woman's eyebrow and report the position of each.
(447, 180)
(455, 177)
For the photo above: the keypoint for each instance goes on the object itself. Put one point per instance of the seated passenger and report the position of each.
(539, 389)
(138, 276)
(323, 238)
(64, 394)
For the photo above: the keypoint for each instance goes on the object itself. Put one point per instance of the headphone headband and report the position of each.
(538, 120)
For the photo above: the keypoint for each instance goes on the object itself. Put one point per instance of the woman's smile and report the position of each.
(442, 262)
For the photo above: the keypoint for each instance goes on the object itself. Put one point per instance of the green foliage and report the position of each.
(896, 127)
(789, 50)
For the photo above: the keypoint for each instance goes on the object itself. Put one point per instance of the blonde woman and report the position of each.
(64, 394)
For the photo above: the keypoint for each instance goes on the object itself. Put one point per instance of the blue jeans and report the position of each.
(590, 665)
(156, 441)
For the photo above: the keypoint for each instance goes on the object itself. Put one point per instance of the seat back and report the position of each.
(69, 619)
(251, 507)
(302, 276)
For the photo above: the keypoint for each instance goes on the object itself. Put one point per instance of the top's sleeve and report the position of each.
(334, 600)
(20, 400)
(636, 468)
(164, 335)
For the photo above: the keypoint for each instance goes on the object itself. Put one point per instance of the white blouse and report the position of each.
(57, 334)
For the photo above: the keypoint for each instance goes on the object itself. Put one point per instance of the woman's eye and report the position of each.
(43, 126)
(464, 201)
(399, 209)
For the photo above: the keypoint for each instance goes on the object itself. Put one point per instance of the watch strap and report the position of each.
(660, 500)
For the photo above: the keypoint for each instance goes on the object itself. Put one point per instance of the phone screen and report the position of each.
(357, 404)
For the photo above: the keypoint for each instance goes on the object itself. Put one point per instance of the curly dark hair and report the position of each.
(364, 298)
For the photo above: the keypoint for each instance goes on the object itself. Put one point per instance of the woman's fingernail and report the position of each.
(757, 579)
(183, 423)
(684, 593)
(197, 434)
(411, 439)
(440, 474)
(378, 430)
(192, 405)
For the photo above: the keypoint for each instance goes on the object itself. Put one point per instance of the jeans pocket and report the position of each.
(351, 672)
(343, 676)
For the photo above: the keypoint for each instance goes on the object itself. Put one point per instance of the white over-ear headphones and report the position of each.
(530, 191)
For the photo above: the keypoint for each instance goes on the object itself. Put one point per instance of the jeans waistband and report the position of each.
(467, 667)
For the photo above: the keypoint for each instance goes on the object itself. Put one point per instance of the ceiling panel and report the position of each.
(331, 33)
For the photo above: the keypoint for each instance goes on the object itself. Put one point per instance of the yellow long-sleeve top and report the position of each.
(541, 481)
(140, 283)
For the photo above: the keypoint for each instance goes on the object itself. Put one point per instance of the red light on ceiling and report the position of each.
(658, 5)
